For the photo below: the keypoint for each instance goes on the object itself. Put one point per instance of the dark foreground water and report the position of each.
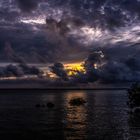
(104, 117)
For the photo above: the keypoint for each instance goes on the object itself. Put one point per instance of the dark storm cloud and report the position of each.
(133, 6)
(64, 16)
(133, 63)
(109, 70)
(27, 5)
(10, 16)
(19, 71)
(111, 12)
(27, 70)
(109, 25)
(91, 65)
(105, 13)
(114, 71)
(11, 70)
(59, 70)
(127, 69)
(24, 45)
(65, 25)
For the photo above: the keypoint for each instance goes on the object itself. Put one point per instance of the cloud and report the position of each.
(11, 70)
(27, 5)
(72, 27)
(64, 25)
(111, 70)
(19, 71)
(59, 70)
(99, 67)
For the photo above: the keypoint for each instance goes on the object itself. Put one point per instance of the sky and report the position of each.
(44, 31)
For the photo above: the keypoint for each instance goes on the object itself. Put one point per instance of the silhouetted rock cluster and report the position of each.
(77, 102)
(49, 105)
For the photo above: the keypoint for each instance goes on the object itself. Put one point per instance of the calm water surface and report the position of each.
(104, 117)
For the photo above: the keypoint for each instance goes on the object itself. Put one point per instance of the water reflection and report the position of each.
(75, 118)
(104, 117)
(107, 116)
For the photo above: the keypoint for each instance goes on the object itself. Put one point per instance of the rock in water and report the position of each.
(77, 102)
(37, 105)
(50, 105)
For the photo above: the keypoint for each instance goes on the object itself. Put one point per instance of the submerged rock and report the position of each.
(43, 106)
(50, 105)
(77, 102)
(38, 105)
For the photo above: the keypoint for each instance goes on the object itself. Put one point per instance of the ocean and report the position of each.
(105, 116)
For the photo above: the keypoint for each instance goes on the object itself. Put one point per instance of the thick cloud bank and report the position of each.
(110, 70)
(19, 71)
(42, 31)
(99, 68)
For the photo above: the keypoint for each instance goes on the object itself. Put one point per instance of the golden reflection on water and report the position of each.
(75, 117)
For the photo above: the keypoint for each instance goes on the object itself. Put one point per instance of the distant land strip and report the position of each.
(56, 89)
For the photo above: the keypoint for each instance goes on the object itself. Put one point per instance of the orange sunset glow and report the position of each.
(73, 68)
